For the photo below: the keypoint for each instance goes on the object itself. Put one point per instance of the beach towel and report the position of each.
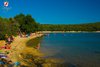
(2, 55)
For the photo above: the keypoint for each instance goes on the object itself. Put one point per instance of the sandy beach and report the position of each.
(18, 47)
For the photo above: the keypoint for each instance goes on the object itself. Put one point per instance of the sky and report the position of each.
(54, 11)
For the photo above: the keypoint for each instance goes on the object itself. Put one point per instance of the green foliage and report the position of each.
(27, 23)
(34, 42)
(74, 27)
(20, 23)
(8, 26)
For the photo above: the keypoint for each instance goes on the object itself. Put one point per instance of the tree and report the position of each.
(27, 23)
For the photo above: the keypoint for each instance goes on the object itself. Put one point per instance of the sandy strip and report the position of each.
(19, 45)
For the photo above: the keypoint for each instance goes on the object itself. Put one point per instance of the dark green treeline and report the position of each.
(72, 27)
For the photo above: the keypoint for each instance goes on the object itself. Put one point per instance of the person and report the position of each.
(11, 38)
(38, 46)
(10, 64)
(2, 62)
(7, 46)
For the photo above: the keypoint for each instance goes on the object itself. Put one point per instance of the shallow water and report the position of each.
(81, 49)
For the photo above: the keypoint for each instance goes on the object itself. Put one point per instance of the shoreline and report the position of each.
(22, 42)
(29, 56)
(45, 32)
(19, 51)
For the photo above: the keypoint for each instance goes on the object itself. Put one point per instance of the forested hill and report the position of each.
(71, 27)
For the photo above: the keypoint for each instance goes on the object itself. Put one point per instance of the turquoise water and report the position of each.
(81, 49)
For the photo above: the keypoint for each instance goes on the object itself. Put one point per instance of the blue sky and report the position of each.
(54, 11)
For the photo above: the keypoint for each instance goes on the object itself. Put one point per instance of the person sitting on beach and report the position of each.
(38, 46)
(10, 64)
(7, 46)
(6, 63)
(3, 62)
(11, 38)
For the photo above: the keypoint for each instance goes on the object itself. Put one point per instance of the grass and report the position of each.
(33, 42)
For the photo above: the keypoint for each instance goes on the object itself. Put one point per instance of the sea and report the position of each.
(79, 49)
